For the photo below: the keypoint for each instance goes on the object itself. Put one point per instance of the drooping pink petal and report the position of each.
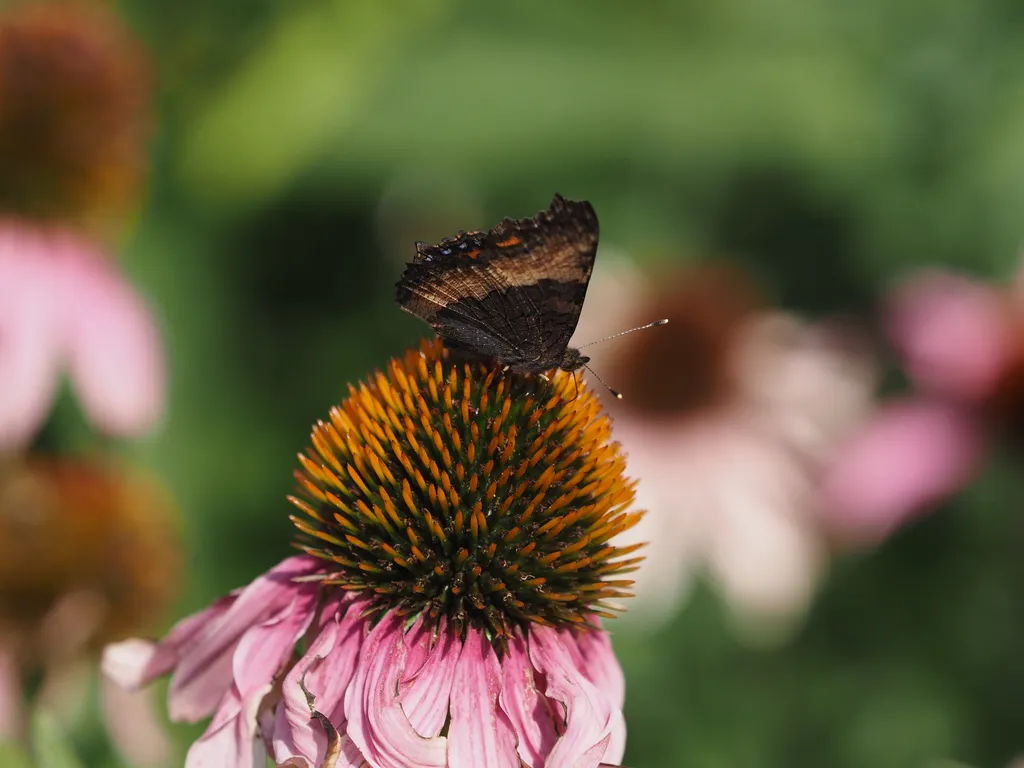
(234, 742)
(480, 733)
(259, 657)
(30, 334)
(596, 659)
(377, 724)
(589, 713)
(529, 711)
(326, 670)
(910, 456)
(593, 656)
(115, 354)
(424, 696)
(204, 672)
(134, 663)
(953, 333)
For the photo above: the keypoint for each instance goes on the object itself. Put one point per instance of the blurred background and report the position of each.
(817, 152)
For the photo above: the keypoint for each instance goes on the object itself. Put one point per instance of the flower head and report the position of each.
(455, 523)
(73, 113)
(730, 413)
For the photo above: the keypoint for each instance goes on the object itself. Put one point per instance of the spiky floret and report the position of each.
(452, 488)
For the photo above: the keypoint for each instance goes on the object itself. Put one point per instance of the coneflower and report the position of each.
(74, 120)
(87, 555)
(734, 409)
(455, 525)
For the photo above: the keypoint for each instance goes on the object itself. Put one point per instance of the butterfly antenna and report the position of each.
(663, 321)
(616, 393)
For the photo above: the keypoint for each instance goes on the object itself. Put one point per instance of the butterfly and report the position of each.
(513, 294)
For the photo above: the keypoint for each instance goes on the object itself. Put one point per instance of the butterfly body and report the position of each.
(512, 294)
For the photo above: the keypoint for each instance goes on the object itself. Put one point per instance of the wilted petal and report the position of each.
(480, 733)
(326, 670)
(526, 707)
(424, 696)
(133, 663)
(232, 742)
(115, 354)
(953, 333)
(910, 456)
(589, 720)
(377, 724)
(29, 334)
(597, 661)
(205, 672)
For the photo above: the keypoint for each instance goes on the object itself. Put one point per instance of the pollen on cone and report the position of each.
(487, 498)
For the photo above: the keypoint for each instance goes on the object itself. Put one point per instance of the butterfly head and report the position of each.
(573, 360)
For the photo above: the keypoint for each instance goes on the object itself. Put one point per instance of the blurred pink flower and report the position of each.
(552, 698)
(730, 414)
(961, 343)
(63, 304)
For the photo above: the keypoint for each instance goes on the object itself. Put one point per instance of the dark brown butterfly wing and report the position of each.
(513, 294)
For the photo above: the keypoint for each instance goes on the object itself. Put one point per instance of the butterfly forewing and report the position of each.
(513, 294)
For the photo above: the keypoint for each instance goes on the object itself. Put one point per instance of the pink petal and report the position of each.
(263, 650)
(424, 696)
(953, 333)
(10, 696)
(589, 713)
(377, 724)
(133, 725)
(115, 354)
(327, 669)
(480, 733)
(29, 334)
(205, 671)
(259, 658)
(595, 657)
(233, 743)
(133, 663)
(912, 454)
(525, 706)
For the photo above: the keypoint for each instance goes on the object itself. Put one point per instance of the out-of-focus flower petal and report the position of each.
(133, 725)
(911, 455)
(377, 724)
(30, 334)
(480, 733)
(525, 706)
(809, 383)
(424, 697)
(115, 354)
(589, 712)
(952, 332)
(326, 670)
(10, 695)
